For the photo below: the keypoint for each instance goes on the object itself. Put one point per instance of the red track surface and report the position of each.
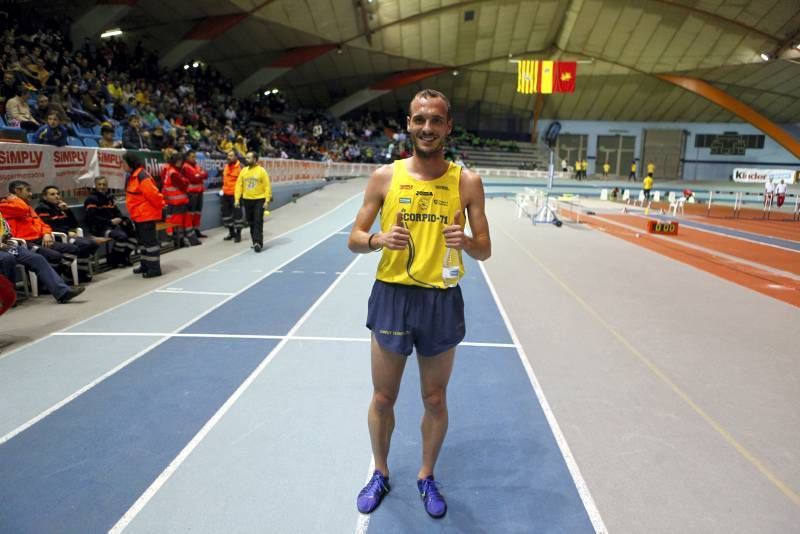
(732, 267)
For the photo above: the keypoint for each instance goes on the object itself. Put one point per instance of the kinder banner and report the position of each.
(759, 176)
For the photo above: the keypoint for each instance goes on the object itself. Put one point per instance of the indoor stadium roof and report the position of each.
(621, 46)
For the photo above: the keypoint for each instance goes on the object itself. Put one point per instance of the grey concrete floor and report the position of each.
(676, 391)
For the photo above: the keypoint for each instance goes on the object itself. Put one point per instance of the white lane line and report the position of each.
(261, 336)
(319, 272)
(167, 336)
(298, 272)
(78, 393)
(176, 291)
(572, 465)
(210, 267)
(165, 475)
(362, 524)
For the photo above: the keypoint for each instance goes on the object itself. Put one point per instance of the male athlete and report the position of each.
(422, 200)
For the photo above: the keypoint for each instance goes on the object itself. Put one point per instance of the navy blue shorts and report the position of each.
(403, 317)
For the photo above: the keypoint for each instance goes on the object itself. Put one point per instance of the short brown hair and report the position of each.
(431, 93)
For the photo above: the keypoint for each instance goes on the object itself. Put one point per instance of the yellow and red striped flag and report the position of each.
(546, 77)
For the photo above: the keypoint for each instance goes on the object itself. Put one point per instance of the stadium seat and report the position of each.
(90, 141)
(74, 141)
(82, 130)
(31, 137)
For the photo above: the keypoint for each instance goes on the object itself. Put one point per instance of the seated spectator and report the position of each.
(26, 224)
(18, 112)
(158, 141)
(12, 254)
(103, 218)
(107, 137)
(53, 133)
(135, 136)
(93, 103)
(44, 107)
(57, 214)
(8, 89)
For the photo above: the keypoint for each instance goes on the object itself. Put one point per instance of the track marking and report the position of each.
(362, 523)
(260, 336)
(580, 484)
(179, 291)
(165, 475)
(167, 336)
(661, 375)
(210, 267)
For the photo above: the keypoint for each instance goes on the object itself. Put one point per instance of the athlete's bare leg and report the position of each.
(434, 373)
(387, 371)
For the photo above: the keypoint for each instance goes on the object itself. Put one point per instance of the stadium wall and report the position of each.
(698, 163)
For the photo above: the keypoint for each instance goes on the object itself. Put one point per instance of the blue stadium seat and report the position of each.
(96, 130)
(31, 137)
(74, 141)
(82, 130)
(90, 141)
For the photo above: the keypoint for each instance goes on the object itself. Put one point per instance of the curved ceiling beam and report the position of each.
(568, 23)
(720, 18)
(737, 107)
(412, 18)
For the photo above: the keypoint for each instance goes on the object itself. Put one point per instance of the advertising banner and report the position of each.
(76, 167)
(759, 176)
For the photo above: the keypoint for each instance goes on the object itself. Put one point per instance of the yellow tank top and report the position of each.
(427, 206)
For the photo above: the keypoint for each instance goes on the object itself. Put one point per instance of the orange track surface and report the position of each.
(768, 283)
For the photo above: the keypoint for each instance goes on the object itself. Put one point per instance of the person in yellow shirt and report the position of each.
(416, 301)
(584, 168)
(253, 189)
(647, 186)
(632, 175)
(578, 170)
(651, 168)
(606, 168)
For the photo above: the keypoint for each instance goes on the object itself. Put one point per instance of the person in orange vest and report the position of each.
(177, 200)
(232, 217)
(196, 177)
(26, 224)
(145, 205)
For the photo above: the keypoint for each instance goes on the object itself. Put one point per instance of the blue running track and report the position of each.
(293, 450)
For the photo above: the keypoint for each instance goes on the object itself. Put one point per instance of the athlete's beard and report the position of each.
(427, 153)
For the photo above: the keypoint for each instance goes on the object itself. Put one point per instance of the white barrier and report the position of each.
(73, 167)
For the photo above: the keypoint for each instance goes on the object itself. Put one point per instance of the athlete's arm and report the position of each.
(479, 246)
(396, 238)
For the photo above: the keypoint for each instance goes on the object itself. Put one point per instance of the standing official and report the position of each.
(196, 177)
(231, 216)
(177, 200)
(253, 189)
(145, 205)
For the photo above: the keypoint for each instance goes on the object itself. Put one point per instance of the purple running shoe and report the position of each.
(371, 496)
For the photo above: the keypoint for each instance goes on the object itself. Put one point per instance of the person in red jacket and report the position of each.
(232, 217)
(177, 200)
(196, 177)
(26, 224)
(145, 205)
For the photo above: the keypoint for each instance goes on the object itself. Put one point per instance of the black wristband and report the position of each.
(369, 244)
